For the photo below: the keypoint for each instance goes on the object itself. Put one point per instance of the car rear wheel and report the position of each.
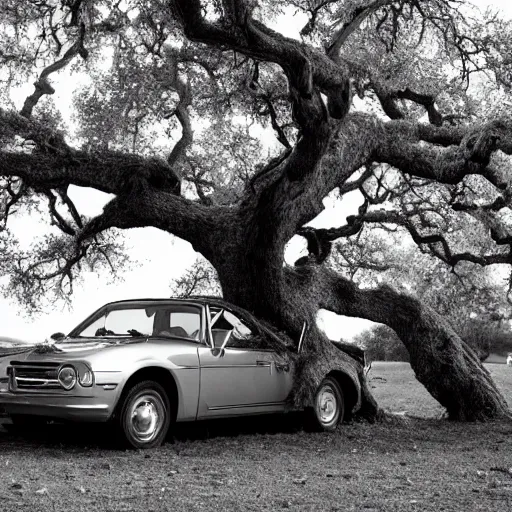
(329, 407)
(145, 415)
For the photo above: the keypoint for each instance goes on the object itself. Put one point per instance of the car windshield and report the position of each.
(146, 320)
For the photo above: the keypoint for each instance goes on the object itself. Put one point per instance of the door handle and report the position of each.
(263, 363)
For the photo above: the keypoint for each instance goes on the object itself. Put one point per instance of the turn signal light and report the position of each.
(86, 379)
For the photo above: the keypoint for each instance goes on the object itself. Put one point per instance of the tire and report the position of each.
(329, 407)
(145, 415)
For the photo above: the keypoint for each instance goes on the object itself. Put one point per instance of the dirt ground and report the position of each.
(415, 464)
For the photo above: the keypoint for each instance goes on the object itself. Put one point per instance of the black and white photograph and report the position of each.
(255, 255)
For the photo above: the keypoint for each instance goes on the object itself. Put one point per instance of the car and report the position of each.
(147, 363)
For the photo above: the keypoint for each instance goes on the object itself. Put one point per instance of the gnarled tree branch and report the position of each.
(352, 23)
(467, 390)
(304, 66)
(391, 217)
(183, 89)
(42, 86)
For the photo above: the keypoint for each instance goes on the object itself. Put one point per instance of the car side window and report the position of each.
(241, 335)
(185, 324)
(178, 321)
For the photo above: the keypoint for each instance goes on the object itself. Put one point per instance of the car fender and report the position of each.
(346, 371)
(186, 379)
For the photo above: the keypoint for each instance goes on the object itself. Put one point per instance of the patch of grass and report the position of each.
(270, 465)
(502, 375)
(396, 389)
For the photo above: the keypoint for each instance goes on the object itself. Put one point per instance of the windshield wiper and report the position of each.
(134, 332)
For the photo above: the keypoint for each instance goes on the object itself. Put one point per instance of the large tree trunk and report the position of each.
(253, 276)
(448, 368)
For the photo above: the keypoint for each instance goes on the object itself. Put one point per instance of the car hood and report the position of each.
(71, 348)
(87, 344)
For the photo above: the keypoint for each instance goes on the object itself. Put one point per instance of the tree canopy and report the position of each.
(203, 120)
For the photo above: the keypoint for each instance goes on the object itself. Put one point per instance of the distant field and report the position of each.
(496, 358)
(414, 465)
(396, 388)
(7, 342)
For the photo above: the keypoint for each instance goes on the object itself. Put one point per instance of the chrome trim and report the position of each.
(36, 379)
(250, 349)
(146, 417)
(99, 407)
(44, 382)
(327, 405)
(237, 366)
(40, 366)
(243, 406)
(27, 376)
(302, 336)
(209, 334)
(202, 336)
(29, 393)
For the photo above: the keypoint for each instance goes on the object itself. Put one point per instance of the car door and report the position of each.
(245, 377)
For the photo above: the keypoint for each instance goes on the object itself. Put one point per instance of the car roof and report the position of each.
(192, 300)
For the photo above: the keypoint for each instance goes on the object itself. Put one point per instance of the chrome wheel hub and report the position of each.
(326, 405)
(146, 417)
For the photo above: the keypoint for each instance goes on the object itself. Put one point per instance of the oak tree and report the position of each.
(404, 101)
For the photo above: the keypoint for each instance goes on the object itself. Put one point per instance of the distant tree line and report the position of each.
(382, 344)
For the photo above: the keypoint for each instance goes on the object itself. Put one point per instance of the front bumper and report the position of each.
(87, 404)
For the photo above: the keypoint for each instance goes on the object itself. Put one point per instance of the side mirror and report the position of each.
(219, 352)
(58, 336)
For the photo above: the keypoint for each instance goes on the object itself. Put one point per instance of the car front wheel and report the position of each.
(145, 415)
(329, 406)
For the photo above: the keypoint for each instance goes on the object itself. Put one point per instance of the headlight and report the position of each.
(67, 377)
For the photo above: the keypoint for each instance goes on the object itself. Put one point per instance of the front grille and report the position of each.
(32, 375)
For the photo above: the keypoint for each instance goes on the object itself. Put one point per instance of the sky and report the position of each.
(157, 257)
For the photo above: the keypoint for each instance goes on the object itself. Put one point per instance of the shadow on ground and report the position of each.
(83, 435)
